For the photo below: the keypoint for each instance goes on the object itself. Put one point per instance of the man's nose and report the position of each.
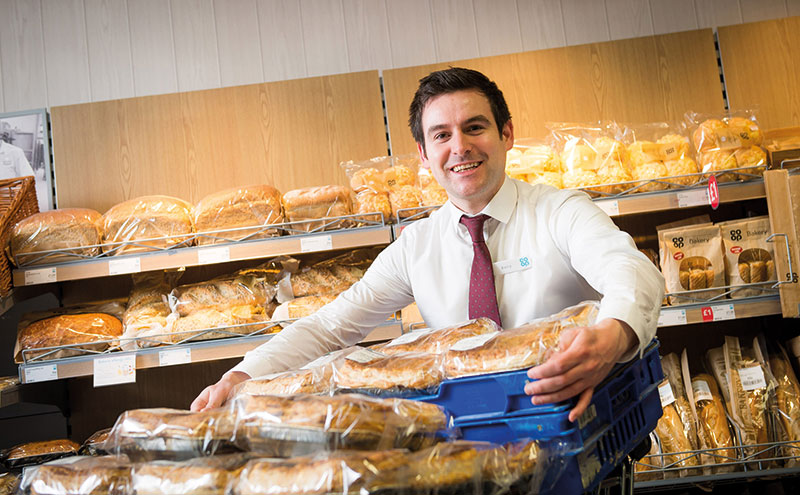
(460, 144)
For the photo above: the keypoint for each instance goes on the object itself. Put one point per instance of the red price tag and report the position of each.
(713, 192)
(708, 313)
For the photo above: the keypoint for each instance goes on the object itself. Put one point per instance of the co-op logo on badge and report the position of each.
(523, 262)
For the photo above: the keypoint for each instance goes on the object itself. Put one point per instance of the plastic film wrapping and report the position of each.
(433, 194)
(147, 223)
(787, 394)
(83, 328)
(106, 475)
(658, 151)
(713, 431)
(170, 434)
(749, 257)
(147, 312)
(301, 307)
(96, 444)
(200, 476)
(287, 426)
(522, 347)
(372, 372)
(246, 287)
(238, 208)
(647, 468)
(76, 231)
(727, 142)
(332, 275)
(439, 340)
(676, 429)
(313, 203)
(28, 454)
(387, 178)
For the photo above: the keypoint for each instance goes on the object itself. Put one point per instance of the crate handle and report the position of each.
(788, 257)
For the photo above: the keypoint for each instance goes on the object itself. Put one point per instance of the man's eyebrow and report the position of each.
(478, 118)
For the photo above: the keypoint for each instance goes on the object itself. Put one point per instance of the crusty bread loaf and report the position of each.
(325, 279)
(671, 431)
(371, 370)
(200, 476)
(86, 329)
(105, 475)
(439, 340)
(147, 217)
(66, 229)
(250, 206)
(225, 320)
(316, 202)
(31, 449)
(223, 293)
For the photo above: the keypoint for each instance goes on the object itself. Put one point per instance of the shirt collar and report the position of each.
(500, 207)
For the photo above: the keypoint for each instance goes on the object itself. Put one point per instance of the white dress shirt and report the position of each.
(13, 162)
(551, 249)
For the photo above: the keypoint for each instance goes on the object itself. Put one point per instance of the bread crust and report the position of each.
(67, 228)
(239, 207)
(147, 217)
(71, 329)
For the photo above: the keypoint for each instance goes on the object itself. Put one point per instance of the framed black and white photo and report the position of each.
(25, 150)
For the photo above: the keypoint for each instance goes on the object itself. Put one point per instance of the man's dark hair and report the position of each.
(449, 81)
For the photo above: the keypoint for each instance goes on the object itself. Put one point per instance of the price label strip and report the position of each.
(171, 357)
(671, 317)
(213, 255)
(114, 370)
(123, 266)
(40, 276)
(695, 197)
(45, 373)
(718, 312)
(316, 243)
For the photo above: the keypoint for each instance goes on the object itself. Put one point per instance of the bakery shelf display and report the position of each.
(111, 365)
(719, 310)
(9, 391)
(368, 233)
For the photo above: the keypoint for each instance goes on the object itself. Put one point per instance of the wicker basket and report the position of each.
(17, 201)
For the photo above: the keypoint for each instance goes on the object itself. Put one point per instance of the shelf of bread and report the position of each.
(114, 366)
(719, 310)
(9, 391)
(104, 265)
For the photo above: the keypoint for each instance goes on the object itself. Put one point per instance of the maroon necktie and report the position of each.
(482, 294)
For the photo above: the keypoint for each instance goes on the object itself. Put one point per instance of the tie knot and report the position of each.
(474, 226)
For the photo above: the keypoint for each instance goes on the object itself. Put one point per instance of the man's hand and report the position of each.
(216, 395)
(586, 356)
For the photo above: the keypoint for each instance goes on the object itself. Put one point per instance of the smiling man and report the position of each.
(498, 248)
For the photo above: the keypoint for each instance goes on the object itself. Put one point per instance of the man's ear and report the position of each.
(508, 134)
(423, 157)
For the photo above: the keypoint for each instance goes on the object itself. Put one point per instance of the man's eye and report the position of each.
(475, 128)
(440, 136)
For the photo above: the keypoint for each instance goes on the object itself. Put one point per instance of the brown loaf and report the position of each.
(62, 446)
(200, 476)
(402, 370)
(316, 202)
(190, 326)
(68, 228)
(105, 475)
(147, 217)
(172, 423)
(440, 340)
(222, 294)
(249, 206)
(331, 279)
(304, 306)
(71, 329)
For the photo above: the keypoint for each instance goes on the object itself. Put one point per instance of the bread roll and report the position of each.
(705, 136)
(753, 158)
(167, 220)
(70, 229)
(433, 196)
(682, 166)
(87, 329)
(398, 176)
(370, 201)
(717, 161)
(317, 202)
(402, 197)
(649, 171)
(251, 206)
(748, 128)
(368, 179)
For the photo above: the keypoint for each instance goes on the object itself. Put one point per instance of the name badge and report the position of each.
(513, 265)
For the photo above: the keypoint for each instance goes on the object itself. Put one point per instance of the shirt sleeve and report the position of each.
(383, 290)
(632, 288)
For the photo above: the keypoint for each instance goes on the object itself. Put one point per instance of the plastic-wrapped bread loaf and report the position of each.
(236, 208)
(75, 231)
(712, 430)
(317, 202)
(200, 476)
(439, 340)
(787, 393)
(147, 223)
(84, 331)
(366, 369)
(105, 475)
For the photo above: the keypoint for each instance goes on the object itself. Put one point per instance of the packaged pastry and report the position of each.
(657, 153)
(301, 307)
(728, 142)
(433, 194)
(73, 232)
(147, 223)
(312, 203)
(282, 426)
(522, 347)
(170, 434)
(32, 453)
(107, 475)
(534, 162)
(234, 210)
(372, 372)
(713, 432)
(80, 332)
(371, 201)
(527, 464)
(749, 257)
(95, 445)
(404, 198)
(199, 476)
(691, 259)
(438, 341)
(341, 472)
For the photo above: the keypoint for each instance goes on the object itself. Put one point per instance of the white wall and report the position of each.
(59, 52)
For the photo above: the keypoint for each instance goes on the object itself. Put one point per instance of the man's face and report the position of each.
(463, 148)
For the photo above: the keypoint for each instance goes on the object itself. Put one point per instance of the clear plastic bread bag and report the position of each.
(649, 467)
(282, 426)
(691, 259)
(377, 374)
(591, 158)
(433, 194)
(146, 314)
(330, 275)
(32, 453)
(369, 185)
(534, 161)
(787, 393)
(658, 155)
(512, 349)
(714, 433)
(67, 234)
(147, 223)
(170, 434)
(676, 430)
(439, 340)
(239, 213)
(727, 142)
(202, 475)
(306, 208)
(102, 475)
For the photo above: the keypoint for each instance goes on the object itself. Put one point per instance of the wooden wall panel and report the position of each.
(22, 55)
(109, 40)
(497, 23)
(66, 53)
(281, 33)
(541, 23)
(196, 54)
(647, 79)
(762, 67)
(290, 134)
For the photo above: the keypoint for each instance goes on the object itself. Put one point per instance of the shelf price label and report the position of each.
(718, 312)
(214, 255)
(40, 276)
(610, 206)
(125, 265)
(171, 357)
(44, 373)
(114, 370)
(694, 197)
(671, 317)
(316, 243)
